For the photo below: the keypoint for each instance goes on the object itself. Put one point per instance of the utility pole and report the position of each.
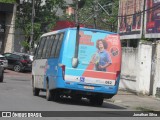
(144, 12)
(95, 13)
(76, 13)
(32, 26)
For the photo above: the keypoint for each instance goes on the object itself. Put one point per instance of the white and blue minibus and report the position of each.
(78, 63)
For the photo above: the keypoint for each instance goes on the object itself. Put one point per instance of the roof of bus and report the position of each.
(81, 28)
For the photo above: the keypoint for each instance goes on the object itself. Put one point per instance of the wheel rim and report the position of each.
(17, 68)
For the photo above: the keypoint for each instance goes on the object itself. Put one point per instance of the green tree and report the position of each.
(44, 19)
(8, 1)
(92, 13)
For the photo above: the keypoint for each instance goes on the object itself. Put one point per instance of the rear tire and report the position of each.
(96, 100)
(56, 96)
(35, 90)
(17, 68)
(49, 94)
(1, 77)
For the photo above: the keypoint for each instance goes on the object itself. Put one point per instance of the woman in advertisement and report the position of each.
(101, 58)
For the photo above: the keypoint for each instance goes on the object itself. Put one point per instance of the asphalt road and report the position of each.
(16, 95)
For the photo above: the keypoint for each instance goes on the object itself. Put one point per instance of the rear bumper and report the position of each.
(4, 65)
(89, 88)
(92, 88)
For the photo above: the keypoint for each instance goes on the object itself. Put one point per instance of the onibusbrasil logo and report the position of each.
(21, 114)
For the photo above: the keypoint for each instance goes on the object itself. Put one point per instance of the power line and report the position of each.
(141, 12)
(137, 13)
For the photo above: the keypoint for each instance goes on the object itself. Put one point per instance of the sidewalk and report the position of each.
(136, 102)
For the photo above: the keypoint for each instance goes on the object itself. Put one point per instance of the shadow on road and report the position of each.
(85, 102)
(3, 82)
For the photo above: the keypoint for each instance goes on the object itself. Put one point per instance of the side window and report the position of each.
(54, 46)
(45, 47)
(36, 50)
(7, 54)
(59, 45)
(40, 49)
(50, 44)
(16, 57)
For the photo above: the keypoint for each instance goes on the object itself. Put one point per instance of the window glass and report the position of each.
(54, 45)
(50, 44)
(2, 58)
(7, 54)
(59, 45)
(25, 57)
(45, 47)
(13, 56)
(41, 47)
(36, 50)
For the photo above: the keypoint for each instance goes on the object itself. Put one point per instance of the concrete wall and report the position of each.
(156, 84)
(128, 70)
(9, 34)
(136, 67)
(144, 68)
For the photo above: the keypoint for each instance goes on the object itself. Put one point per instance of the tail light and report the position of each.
(117, 74)
(63, 70)
(24, 61)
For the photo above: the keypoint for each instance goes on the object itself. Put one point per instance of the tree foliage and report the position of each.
(93, 13)
(44, 19)
(46, 16)
(8, 1)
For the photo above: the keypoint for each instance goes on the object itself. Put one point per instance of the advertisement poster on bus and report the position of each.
(152, 19)
(99, 58)
(130, 19)
(102, 63)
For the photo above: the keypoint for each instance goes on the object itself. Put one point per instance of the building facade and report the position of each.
(7, 27)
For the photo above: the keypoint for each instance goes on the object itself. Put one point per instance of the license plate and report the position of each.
(89, 87)
(111, 82)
